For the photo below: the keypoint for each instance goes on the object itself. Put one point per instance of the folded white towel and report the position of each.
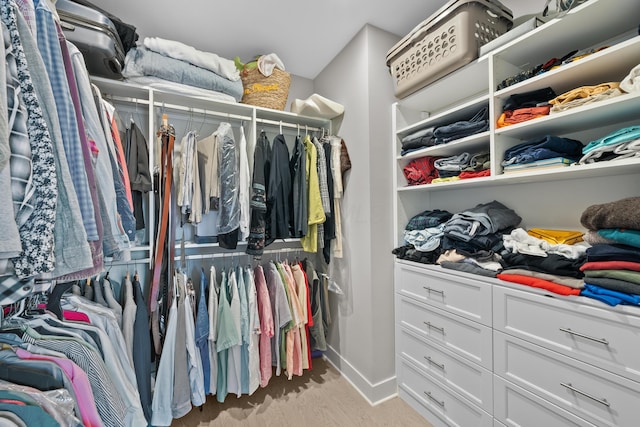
(266, 64)
(207, 60)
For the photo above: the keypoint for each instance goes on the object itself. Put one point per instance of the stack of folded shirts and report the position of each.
(172, 61)
(584, 95)
(422, 237)
(622, 144)
(543, 152)
(535, 262)
(463, 128)
(612, 270)
(526, 106)
(417, 140)
(479, 228)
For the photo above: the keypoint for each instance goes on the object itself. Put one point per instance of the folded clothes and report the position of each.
(568, 237)
(606, 153)
(593, 238)
(614, 284)
(447, 179)
(621, 135)
(611, 265)
(420, 171)
(543, 147)
(622, 213)
(453, 163)
(141, 61)
(410, 253)
(478, 174)
(418, 139)
(479, 162)
(427, 219)
(552, 263)
(539, 283)
(532, 98)
(209, 61)
(615, 252)
(623, 236)
(483, 219)
(425, 240)
(626, 275)
(460, 129)
(489, 242)
(608, 296)
(572, 282)
(583, 92)
(519, 241)
(631, 82)
(512, 117)
(578, 102)
(468, 268)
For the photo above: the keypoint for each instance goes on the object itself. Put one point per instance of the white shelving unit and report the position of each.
(434, 305)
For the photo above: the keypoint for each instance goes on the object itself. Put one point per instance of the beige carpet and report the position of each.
(320, 398)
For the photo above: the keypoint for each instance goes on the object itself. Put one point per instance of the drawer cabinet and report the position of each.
(465, 337)
(517, 407)
(603, 337)
(469, 379)
(468, 297)
(445, 406)
(596, 395)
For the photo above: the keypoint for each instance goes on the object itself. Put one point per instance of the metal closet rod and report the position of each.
(289, 125)
(236, 254)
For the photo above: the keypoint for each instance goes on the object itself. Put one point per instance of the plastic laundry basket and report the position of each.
(444, 42)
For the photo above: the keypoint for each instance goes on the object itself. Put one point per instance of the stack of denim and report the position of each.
(477, 124)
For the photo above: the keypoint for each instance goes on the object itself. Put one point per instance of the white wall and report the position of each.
(301, 88)
(362, 333)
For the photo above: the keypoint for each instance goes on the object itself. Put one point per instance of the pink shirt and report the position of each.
(80, 382)
(266, 326)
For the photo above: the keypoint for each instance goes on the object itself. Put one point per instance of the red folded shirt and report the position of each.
(610, 265)
(478, 174)
(539, 283)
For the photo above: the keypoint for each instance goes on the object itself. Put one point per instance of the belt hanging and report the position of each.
(167, 134)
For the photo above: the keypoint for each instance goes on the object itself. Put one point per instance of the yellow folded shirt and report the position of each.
(583, 92)
(556, 237)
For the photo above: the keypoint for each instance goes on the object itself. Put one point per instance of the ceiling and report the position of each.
(305, 34)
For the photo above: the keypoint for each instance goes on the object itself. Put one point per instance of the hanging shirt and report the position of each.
(254, 331)
(281, 312)
(316, 213)
(209, 182)
(244, 331)
(212, 307)
(244, 195)
(301, 292)
(298, 167)
(234, 362)
(228, 336)
(194, 364)
(128, 317)
(259, 208)
(266, 325)
(294, 339)
(202, 332)
(278, 192)
(229, 217)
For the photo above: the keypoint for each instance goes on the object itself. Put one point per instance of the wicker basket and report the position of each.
(269, 92)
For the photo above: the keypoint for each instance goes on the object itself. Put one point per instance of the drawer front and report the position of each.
(605, 338)
(598, 396)
(467, 378)
(516, 407)
(447, 406)
(464, 337)
(466, 297)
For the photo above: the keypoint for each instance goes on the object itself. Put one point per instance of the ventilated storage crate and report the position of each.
(444, 42)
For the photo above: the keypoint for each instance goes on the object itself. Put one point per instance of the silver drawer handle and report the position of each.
(439, 402)
(600, 340)
(430, 326)
(600, 401)
(431, 361)
(435, 291)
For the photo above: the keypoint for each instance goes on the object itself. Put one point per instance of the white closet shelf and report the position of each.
(472, 144)
(444, 186)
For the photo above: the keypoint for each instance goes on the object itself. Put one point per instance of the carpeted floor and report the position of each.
(320, 398)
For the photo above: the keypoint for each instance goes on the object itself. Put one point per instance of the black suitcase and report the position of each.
(95, 36)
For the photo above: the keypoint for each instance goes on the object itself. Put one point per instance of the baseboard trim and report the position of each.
(376, 393)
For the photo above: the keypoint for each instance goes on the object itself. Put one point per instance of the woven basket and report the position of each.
(269, 92)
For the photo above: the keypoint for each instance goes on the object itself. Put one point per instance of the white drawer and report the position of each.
(598, 396)
(462, 336)
(467, 378)
(605, 338)
(447, 406)
(467, 297)
(517, 407)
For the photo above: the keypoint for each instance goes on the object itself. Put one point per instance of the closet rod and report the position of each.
(204, 112)
(289, 125)
(236, 254)
(128, 99)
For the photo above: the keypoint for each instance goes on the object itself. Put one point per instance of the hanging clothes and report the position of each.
(254, 331)
(281, 313)
(212, 308)
(266, 325)
(298, 167)
(244, 190)
(229, 217)
(316, 213)
(259, 208)
(278, 192)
